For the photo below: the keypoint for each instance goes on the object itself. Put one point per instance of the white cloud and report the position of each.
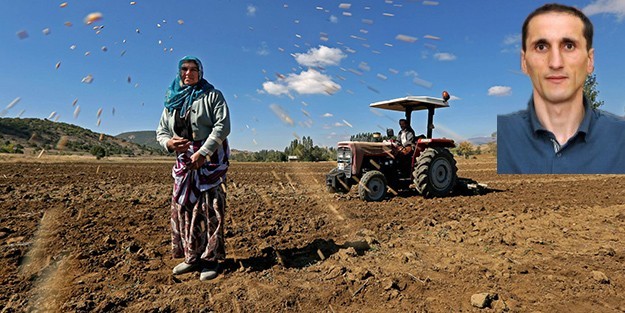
(305, 83)
(251, 10)
(263, 50)
(512, 43)
(616, 7)
(334, 19)
(444, 56)
(513, 39)
(275, 88)
(328, 115)
(322, 56)
(452, 97)
(499, 91)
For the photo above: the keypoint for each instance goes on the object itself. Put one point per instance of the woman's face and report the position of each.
(189, 73)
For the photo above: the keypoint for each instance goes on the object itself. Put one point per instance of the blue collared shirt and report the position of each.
(524, 146)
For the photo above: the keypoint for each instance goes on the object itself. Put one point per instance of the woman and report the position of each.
(195, 124)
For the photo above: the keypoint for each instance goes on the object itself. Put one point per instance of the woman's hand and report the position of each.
(197, 160)
(178, 144)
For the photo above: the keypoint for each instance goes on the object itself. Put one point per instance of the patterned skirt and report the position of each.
(198, 206)
(198, 229)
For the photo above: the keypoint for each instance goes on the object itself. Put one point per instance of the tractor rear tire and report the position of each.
(372, 186)
(435, 173)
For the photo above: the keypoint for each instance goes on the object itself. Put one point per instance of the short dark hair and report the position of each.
(403, 120)
(560, 8)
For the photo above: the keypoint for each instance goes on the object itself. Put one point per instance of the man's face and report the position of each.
(556, 58)
(403, 124)
(189, 73)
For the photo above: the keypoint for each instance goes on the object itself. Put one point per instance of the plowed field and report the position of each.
(80, 235)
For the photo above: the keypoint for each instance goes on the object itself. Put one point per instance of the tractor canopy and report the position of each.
(415, 103)
(411, 103)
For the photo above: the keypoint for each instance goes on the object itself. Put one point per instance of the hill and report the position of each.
(24, 135)
(478, 141)
(144, 137)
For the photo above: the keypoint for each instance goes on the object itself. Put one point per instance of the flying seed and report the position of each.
(92, 17)
(281, 113)
(22, 34)
(62, 143)
(87, 79)
(431, 37)
(406, 38)
(13, 103)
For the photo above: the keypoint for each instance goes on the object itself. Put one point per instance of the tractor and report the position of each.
(377, 167)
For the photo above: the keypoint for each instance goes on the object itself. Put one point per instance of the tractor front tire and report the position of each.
(435, 173)
(372, 186)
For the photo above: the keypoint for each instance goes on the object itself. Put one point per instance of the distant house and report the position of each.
(293, 158)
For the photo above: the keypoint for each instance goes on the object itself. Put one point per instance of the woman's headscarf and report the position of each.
(180, 96)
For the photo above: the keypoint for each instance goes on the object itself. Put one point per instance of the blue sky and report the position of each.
(288, 69)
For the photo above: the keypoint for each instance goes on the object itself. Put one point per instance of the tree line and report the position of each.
(303, 150)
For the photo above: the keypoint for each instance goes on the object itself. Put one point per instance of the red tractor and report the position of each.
(378, 166)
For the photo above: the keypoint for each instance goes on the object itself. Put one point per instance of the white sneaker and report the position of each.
(209, 272)
(184, 267)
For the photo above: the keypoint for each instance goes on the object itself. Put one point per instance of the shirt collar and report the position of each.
(584, 126)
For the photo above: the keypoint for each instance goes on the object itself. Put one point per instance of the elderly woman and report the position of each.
(194, 125)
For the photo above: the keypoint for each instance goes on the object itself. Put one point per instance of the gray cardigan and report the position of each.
(210, 120)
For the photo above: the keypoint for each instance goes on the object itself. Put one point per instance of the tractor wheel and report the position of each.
(435, 172)
(372, 186)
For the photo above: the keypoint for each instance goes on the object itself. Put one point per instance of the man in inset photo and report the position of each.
(559, 132)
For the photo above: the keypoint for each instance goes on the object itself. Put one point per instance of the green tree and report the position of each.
(98, 151)
(466, 149)
(591, 92)
(368, 137)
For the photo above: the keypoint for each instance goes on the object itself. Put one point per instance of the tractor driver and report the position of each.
(406, 136)
(560, 132)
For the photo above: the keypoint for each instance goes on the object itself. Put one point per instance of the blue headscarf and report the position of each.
(180, 96)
